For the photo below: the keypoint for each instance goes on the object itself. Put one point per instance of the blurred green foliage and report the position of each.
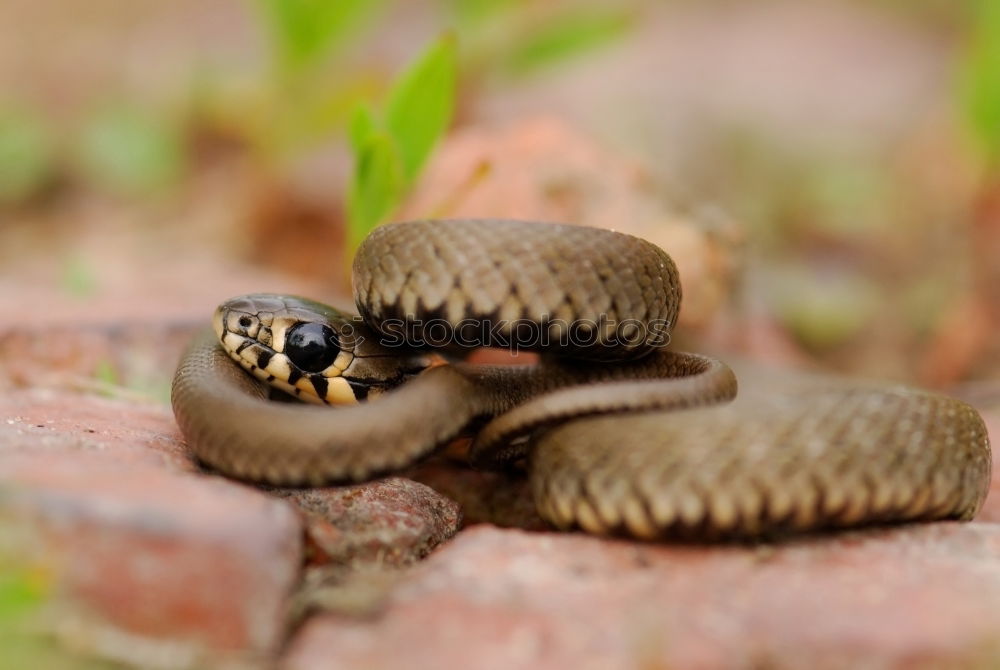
(391, 148)
(565, 36)
(420, 105)
(548, 34)
(926, 298)
(376, 186)
(106, 374)
(304, 33)
(130, 383)
(391, 145)
(306, 95)
(30, 603)
(980, 79)
(789, 198)
(309, 93)
(131, 151)
(26, 156)
(823, 312)
(78, 277)
(24, 590)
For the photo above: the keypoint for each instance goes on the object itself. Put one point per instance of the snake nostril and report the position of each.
(245, 321)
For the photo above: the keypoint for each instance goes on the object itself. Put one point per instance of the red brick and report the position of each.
(922, 596)
(182, 565)
(393, 521)
(991, 508)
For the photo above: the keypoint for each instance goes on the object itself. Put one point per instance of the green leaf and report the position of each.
(376, 187)
(362, 126)
(132, 151)
(478, 11)
(389, 152)
(980, 78)
(105, 373)
(306, 31)
(308, 121)
(21, 591)
(26, 158)
(420, 104)
(566, 36)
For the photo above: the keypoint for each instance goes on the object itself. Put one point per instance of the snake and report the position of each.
(617, 433)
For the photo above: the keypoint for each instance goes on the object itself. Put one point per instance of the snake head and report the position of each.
(310, 350)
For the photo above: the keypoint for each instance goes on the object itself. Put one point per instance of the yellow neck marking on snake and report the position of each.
(270, 365)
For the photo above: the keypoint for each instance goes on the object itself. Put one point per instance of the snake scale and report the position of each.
(618, 434)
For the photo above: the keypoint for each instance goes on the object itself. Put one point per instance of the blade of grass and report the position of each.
(567, 35)
(304, 32)
(26, 156)
(361, 127)
(375, 187)
(389, 155)
(420, 104)
(980, 79)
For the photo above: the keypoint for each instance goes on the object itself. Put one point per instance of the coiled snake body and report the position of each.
(619, 435)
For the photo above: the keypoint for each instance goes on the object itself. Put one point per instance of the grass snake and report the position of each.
(618, 433)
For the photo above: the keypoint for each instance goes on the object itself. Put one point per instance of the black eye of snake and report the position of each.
(311, 346)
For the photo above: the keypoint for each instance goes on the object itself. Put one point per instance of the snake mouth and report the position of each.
(258, 339)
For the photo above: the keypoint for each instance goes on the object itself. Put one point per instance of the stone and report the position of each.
(150, 563)
(544, 169)
(919, 596)
(392, 522)
(991, 508)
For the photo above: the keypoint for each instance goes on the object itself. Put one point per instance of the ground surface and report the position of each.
(159, 563)
(153, 561)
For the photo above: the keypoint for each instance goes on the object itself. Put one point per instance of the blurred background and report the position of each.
(824, 172)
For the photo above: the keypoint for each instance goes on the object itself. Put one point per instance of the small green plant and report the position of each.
(30, 603)
(309, 89)
(23, 591)
(980, 80)
(304, 33)
(78, 277)
(312, 89)
(26, 156)
(566, 36)
(390, 145)
(548, 34)
(390, 148)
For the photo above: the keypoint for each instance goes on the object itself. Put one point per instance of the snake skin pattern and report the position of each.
(620, 436)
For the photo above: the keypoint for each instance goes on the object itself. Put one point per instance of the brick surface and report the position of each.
(991, 508)
(923, 596)
(133, 322)
(392, 522)
(152, 563)
(121, 432)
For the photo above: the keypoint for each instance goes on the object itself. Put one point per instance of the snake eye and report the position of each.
(312, 347)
